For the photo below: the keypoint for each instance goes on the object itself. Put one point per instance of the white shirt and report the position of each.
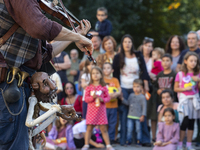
(129, 73)
(149, 65)
(79, 128)
(86, 77)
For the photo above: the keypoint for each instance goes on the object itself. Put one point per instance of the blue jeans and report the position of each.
(13, 132)
(123, 112)
(131, 125)
(112, 121)
(145, 132)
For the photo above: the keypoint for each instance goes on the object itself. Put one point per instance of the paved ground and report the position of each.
(132, 147)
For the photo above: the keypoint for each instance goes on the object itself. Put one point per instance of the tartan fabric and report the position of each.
(20, 47)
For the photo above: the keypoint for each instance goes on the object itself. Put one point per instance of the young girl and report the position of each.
(85, 80)
(168, 132)
(96, 95)
(61, 136)
(186, 85)
(157, 54)
(167, 97)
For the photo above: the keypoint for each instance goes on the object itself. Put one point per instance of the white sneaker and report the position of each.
(110, 148)
(85, 147)
(180, 148)
(190, 148)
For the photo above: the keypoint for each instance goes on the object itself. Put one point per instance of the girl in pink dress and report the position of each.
(168, 132)
(96, 95)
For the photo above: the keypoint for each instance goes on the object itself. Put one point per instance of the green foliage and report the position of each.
(141, 18)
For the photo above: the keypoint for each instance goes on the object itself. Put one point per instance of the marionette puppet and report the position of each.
(43, 93)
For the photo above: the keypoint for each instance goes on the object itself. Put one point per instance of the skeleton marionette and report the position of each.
(44, 90)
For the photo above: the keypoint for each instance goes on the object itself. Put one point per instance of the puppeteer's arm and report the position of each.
(66, 37)
(40, 27)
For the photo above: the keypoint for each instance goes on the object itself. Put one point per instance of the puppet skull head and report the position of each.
(44, 88)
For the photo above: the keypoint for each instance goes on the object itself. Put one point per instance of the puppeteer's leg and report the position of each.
(13, 132)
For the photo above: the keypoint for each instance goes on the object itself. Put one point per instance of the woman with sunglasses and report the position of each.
(71, 98)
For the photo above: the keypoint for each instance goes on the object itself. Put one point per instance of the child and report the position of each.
(165, 79)
(85, 80)
(167, 97)
(103, 26)
(96, 95)
(137, 111)
(168, 132)
(157, 54)
(187, 85)
(61, 136)
(114, 92)
(79, 131)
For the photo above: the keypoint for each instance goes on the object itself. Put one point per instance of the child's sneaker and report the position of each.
(180, 148)
(190, 148)
(110, 148)
(85, 147)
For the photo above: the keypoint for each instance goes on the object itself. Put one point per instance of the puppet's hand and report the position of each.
(67, 112)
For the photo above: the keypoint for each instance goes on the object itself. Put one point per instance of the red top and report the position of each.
(157, 67)
(77, 104)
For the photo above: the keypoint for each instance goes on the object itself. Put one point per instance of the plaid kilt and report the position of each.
(20, 47)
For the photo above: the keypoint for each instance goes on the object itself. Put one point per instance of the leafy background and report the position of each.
(158, 19)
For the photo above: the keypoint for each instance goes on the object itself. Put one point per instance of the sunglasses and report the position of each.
(150, 39)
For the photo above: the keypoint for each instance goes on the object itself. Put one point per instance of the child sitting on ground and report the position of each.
(168, 132)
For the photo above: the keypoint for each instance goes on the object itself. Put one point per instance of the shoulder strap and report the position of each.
(8, 34)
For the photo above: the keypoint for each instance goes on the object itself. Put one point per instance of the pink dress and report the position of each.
(96, 115)
(168, 133)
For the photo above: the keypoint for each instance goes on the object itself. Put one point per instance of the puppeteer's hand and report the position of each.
(83, 29)
(85, 44)
(68, 112)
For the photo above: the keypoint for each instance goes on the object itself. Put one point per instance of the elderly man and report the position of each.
(73, 72)
(192, 42)
(26, 49)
